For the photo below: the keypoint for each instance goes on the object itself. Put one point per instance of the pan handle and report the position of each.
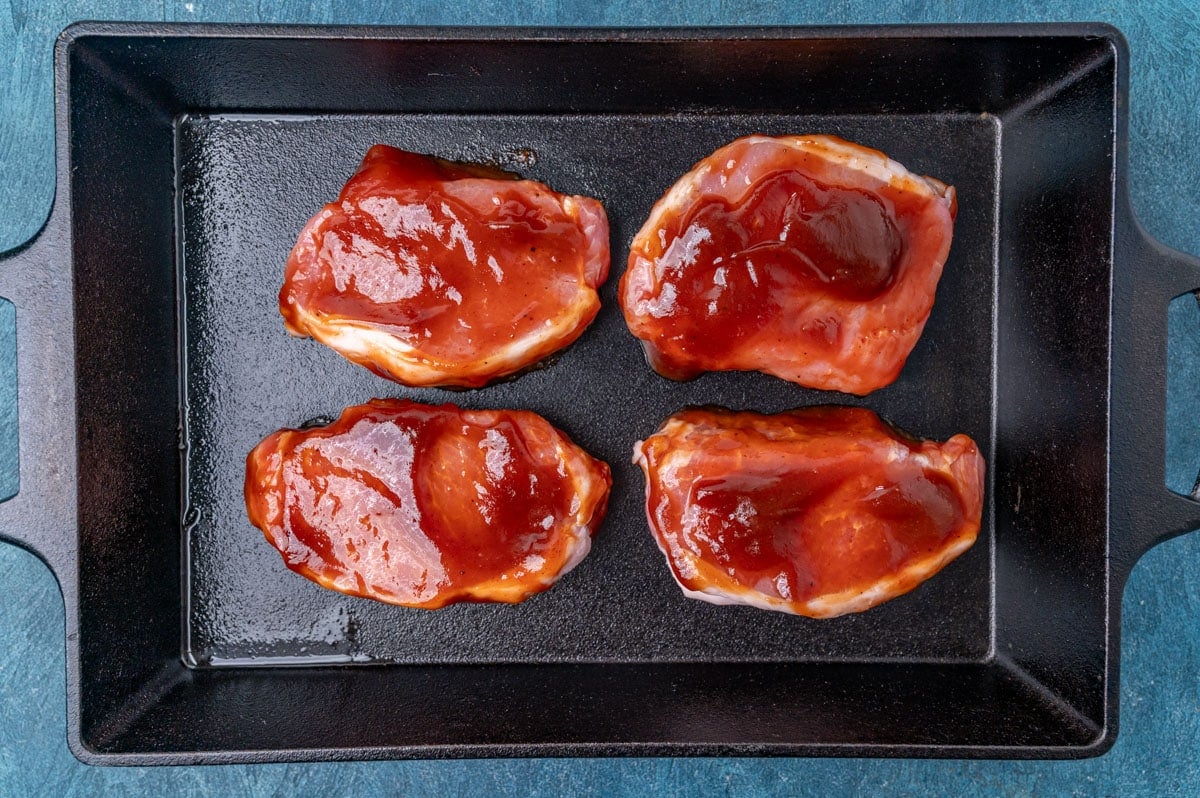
(36, 279)
(1147, 276)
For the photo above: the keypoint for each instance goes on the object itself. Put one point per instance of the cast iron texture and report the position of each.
(248, 185)
(151, 358)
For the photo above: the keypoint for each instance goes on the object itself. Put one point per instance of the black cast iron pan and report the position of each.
(151, 358)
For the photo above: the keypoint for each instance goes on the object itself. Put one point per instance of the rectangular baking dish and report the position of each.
(151, 358)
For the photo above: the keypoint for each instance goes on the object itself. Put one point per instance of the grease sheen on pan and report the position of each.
(426, 506)
(806, 257)
(820, 511)
(434, 273)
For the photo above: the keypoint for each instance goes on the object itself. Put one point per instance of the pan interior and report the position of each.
(248, 183)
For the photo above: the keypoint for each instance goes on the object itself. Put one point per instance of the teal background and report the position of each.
(1158, 752)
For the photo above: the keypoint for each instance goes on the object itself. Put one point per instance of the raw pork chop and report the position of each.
(818, 512)
(427, 506)
(435, 273)
(806, 257)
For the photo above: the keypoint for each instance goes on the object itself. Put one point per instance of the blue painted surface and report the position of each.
(1158, 752)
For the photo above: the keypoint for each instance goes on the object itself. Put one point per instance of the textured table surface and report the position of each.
(1158, 752)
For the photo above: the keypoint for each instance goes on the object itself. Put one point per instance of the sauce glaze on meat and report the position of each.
(434, 273)
(427, 506)
(806, 257)
(819, 512)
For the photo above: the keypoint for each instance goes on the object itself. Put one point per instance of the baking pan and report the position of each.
(151, 358)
